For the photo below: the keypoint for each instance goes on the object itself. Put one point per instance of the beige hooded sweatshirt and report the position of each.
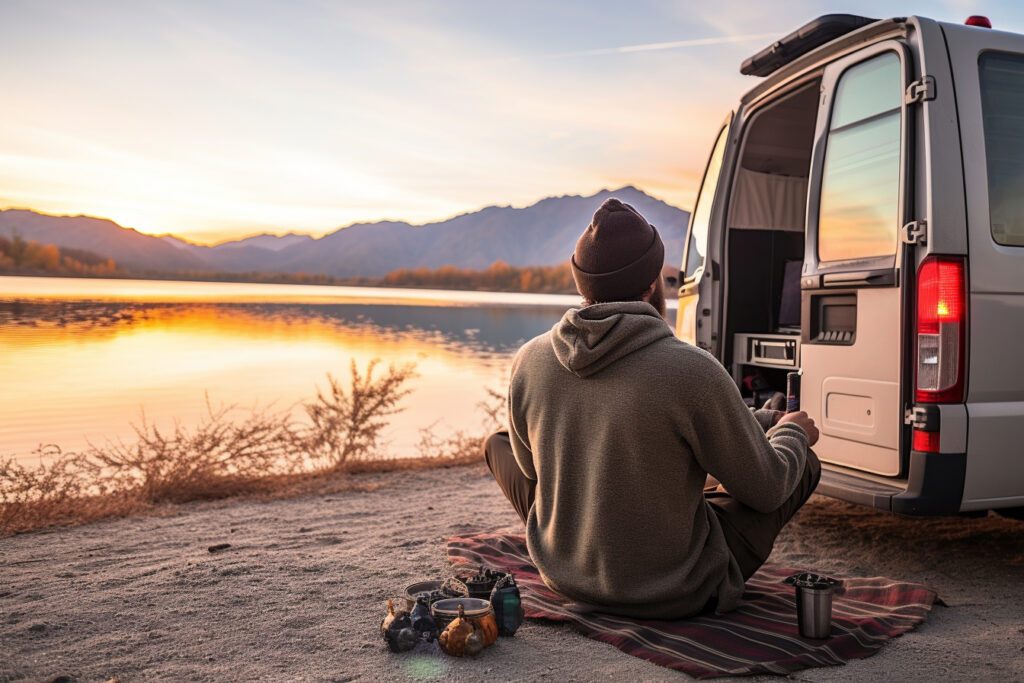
(620, 423)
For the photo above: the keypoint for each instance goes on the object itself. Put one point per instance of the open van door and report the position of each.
(696, 292)
(852, 314)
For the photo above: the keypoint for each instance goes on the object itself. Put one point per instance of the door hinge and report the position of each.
(915, 232)
(920, 90)
(922, 417)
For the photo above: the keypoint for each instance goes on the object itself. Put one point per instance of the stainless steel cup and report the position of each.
(814, 610)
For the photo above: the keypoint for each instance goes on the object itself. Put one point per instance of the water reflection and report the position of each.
(80, 360)
(73, 374)
(479, 330)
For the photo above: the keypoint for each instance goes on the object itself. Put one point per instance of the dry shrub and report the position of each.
(461, 446)
(266, 452)
(347, 425)
(57, 491)
(456, 446)
(218, 457)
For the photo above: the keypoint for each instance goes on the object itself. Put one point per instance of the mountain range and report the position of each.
(541, 234)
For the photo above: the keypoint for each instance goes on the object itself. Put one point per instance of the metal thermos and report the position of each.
(814, 610)
(793, 391)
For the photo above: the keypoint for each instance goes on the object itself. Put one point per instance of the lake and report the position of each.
(83, 359)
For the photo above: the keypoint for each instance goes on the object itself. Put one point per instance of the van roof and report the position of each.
(811, 35)
(796, 63)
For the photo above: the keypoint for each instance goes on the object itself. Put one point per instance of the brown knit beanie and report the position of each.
(618, 256)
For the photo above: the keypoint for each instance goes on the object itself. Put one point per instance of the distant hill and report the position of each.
(538, 235)
(100, 236)
(271, 242)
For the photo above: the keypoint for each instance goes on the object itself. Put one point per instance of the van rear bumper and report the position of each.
(935, 486)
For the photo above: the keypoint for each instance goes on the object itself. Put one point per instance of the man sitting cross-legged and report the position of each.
(615, 425)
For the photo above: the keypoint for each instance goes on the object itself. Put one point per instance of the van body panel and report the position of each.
(953, 436)
(995, 452)
(995, 400)
(938, 165)
(995, 379)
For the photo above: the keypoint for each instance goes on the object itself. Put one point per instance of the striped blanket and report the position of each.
(760, 637)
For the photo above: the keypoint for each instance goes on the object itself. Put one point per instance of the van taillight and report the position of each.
(927, 442)
(941, 329)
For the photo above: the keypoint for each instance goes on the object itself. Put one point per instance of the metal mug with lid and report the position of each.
(814, 603)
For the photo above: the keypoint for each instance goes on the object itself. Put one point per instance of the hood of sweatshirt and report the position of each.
(587, 340)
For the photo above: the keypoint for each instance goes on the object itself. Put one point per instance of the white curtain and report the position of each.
(765, 201)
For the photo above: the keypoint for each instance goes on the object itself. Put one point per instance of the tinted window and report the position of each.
(859, 215)
(1002, 106)
(698, 242)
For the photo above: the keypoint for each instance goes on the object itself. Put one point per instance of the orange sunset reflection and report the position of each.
(81, 380)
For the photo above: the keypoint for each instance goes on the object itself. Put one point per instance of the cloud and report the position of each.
(671, 45)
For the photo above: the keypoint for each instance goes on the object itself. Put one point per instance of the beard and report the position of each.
(657, 298)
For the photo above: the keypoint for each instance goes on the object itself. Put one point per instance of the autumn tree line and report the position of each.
(18, 255)
(498, 277)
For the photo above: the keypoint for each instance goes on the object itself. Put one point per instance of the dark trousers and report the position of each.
(750, 534)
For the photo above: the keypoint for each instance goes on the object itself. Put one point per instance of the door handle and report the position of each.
(864, 278)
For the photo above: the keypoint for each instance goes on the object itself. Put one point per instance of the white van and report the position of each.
(861, 218)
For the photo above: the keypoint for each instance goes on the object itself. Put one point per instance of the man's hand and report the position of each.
(805, 422)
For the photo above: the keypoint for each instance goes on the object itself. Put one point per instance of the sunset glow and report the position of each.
(221, 119)
(215, 120)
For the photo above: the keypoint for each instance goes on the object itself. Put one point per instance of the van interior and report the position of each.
(765, 244)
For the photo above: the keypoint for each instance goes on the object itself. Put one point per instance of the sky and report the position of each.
(217, 119)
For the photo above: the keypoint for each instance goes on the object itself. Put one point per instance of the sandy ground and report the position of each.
(300, 592)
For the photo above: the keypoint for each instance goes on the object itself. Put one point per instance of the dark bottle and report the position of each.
(507, 605)
(422, 620)
(398, 632)
(793, 391)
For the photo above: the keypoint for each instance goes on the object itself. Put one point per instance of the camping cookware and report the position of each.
(397, 631)
(481, 584)
(436, 590)
(462, 637)
(473, 609)
(814, 603)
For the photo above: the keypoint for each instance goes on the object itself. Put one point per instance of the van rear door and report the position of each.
(988, 74)
(852, 314)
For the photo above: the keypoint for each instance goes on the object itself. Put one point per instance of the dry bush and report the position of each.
(495, 410)
(266, 453)
(461, 446)
(456, 446)
(347, 425)
(56, 491)
(218, 457)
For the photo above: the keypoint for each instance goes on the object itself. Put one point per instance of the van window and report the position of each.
(860, 184)
(1002, 108)
(698, 241)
